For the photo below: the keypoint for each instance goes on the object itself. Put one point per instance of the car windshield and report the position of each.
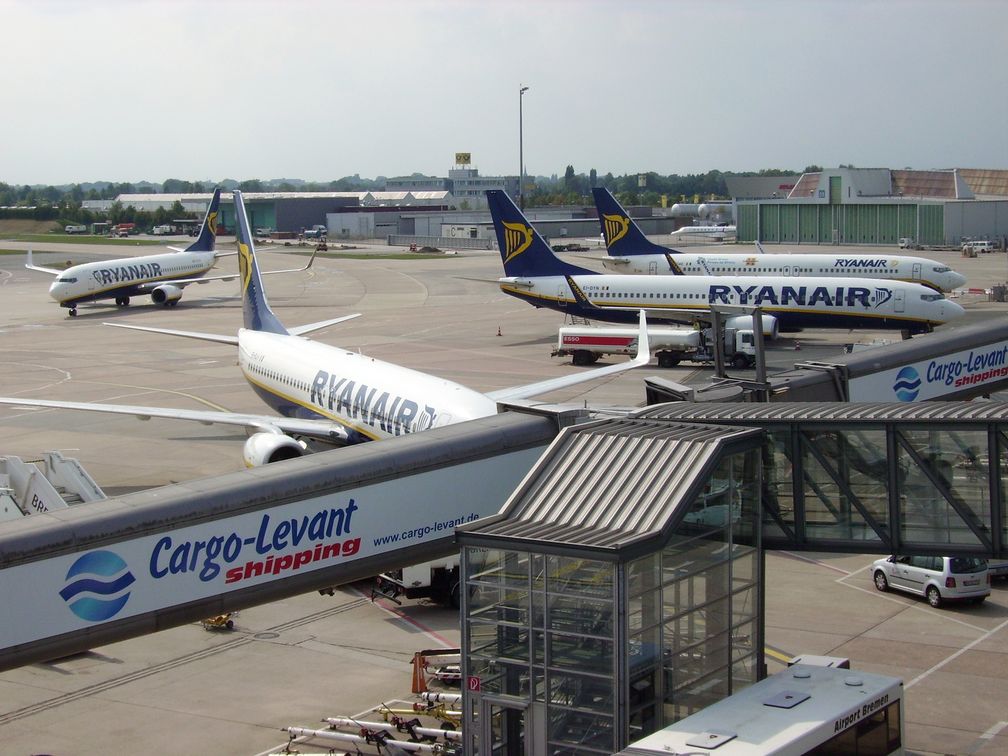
(961, 565)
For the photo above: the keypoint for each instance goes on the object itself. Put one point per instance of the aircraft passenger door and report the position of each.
(899, 301)
(652, 268)
(786, 270)
(916, 272)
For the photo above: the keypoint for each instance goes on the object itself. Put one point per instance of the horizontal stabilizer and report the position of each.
(310, 327)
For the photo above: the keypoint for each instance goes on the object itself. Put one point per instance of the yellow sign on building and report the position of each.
(463, 158)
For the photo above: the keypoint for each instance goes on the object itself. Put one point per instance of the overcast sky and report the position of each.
(131, 90)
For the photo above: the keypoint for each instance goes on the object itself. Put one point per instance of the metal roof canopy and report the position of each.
(614, 487)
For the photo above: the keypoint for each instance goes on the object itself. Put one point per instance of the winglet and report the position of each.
(30, 265)
(207, 239)
(643, 342)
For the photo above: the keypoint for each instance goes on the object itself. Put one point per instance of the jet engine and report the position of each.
(166, 294)
(771, 328)
(263, 448)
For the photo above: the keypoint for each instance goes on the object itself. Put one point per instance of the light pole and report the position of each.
(521, 156)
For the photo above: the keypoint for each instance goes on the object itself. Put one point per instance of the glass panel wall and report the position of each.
(945, 477)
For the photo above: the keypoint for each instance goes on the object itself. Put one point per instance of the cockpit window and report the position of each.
(67, 279)
(932, 297)
(941, 269)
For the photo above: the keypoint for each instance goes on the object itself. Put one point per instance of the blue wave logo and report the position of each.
(96, 586)
(907, 385)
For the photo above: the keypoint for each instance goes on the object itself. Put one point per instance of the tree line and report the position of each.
(64, 203)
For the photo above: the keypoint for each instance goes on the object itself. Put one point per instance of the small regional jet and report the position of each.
(325, 393)
(630, 251)
(161, 276)
(533, 273)
(708, 232)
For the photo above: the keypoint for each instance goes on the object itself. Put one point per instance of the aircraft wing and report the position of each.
(39, 268)
(643, 357)
(321, 429)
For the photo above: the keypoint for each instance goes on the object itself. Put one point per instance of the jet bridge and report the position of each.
(115, 569)
(951, 364)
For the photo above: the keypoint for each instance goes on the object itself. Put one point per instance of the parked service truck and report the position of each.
(437, 580)
(585, 344)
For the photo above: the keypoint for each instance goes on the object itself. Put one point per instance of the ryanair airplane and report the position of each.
(630, 251)
(536, 275)
(325, 393)
(161, 276)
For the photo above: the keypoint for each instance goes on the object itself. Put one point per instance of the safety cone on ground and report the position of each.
(498, 331)
(797, 345)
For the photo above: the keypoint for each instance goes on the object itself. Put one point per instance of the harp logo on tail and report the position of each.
(615, 227)
(517, 238)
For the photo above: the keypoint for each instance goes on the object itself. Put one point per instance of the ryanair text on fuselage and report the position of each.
(391, 414)
(126, 273)
(783, 296)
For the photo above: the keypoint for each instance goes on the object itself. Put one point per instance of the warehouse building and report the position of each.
(939, 208)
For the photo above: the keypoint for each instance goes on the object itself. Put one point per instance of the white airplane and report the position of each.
(534, 274)
(713, 233)
(630, 251)
(325, 393)
(161, 276)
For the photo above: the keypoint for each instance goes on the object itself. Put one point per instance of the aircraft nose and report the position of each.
(952, 310)
(56, 289)
(958, 279)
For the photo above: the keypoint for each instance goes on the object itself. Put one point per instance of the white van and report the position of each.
(936, 578)
(982, 246)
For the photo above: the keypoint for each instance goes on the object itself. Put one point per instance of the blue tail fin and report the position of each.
(523, 250)
(623, 237)
(207, 239)
(258, 315)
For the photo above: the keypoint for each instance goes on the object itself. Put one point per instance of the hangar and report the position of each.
(936, 208)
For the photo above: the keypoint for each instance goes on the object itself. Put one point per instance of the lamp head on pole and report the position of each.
(522, 91)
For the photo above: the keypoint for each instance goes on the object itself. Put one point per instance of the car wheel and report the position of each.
(880, 581)
(979, 600)
(933, 596)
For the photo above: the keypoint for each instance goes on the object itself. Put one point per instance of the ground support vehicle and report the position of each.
(585, 344)
(75, 229)
(437, 580)
(315, 232)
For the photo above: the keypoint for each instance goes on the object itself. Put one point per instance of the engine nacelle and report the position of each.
(771, 328)
(166, 294)
(263, 448)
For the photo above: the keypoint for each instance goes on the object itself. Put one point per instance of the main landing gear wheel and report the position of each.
(73, 312)
(122, 301)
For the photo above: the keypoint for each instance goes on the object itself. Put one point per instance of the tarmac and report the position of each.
(294, 662)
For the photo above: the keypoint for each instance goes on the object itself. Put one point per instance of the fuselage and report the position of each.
(898, 267)
(372, 399)
(716, 233)
(797, 303)
(125, 277)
